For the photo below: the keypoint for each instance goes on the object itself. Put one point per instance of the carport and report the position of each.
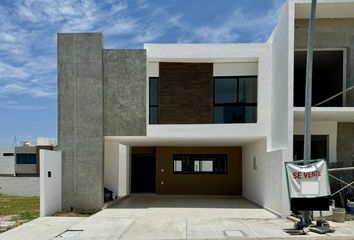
(156, 216)
(192, 205)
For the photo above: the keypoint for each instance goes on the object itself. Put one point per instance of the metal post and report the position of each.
(308, 100)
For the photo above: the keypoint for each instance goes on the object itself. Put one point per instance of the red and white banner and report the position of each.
(308, 181)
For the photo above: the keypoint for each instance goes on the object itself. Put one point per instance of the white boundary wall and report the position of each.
(124, 171)
(117, 168)
(111, 163)
(262, 174)
(50, 182)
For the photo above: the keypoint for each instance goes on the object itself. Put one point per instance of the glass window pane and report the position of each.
(225, 90)
(247, 90)
(32, 158)
(200, 163)
(218, 114)
(233, 114)
(220, 165)
(26, 159)
(251, 114)
(177, 166)
(206, 166)
(154, 115)
(154, 91)
(196, 166)
(188, 165)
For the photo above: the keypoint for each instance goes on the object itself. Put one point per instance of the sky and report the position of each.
(28, 28)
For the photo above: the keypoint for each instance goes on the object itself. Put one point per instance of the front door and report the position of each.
(143, 171)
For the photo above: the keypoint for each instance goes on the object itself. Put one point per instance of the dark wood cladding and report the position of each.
(186, 93)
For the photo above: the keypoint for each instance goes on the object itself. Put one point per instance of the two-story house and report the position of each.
(204, 119)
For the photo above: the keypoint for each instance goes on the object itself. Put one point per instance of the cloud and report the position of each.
(239, 26)
(28, 36)
(28, 33)
(13, 105)
(12, 72)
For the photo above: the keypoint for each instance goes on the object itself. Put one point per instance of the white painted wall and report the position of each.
(207, 130)
(253, 179)
(19, 186)
(111, 162)
(117, 167)
(276, 195)
(282, 84)
(282, 41)
(262, 177)
(50, 187)
(153, 70)
(235, 69)
(45, 141)
(124, 171)
(7, 163)
(322, 128)
(244, 52)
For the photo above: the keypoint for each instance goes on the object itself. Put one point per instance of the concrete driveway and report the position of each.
(168, 217)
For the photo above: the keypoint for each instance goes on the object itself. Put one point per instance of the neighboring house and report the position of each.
(7, 163)
(19, 167)
(206, 119)
(27, 159)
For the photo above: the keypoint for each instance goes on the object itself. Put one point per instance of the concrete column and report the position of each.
(80, 119)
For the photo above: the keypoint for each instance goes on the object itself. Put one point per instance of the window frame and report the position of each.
(237, 104)
(225, 157)
(158, 99)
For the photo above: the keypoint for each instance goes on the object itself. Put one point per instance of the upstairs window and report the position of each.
(235, 99)
(153, 100)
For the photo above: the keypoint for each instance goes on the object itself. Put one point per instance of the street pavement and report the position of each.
(171, 217)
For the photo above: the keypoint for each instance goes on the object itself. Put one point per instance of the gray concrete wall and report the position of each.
(30, 169)
(80, 119)
(19, 186)
(25, 149)
(345, 143)
(331, 33)
(124, 92)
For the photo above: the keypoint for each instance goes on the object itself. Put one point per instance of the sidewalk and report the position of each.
(170, 217)
(105, 225)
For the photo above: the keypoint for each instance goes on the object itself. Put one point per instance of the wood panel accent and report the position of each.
(186, 93)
